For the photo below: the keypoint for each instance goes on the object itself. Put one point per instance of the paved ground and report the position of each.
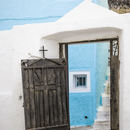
(82, 128)
(97, 126)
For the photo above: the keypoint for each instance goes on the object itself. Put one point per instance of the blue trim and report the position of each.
(29, 18)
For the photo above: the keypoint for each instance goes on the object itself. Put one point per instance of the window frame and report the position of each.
(72, 84)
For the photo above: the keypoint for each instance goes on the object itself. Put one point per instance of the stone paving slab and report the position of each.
(82, 128)
(97, 126)
(89, 128)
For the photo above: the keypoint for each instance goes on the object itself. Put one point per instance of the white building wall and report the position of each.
(124, 76)
(18, 42)
(15, 45)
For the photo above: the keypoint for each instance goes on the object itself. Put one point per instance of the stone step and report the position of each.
(82, 128)
(103, 119)
(106, 100)
(103, 108)
(102, 125)
(103, 114)
(86, 128)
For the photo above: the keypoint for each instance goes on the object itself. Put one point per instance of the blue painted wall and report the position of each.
(79, 53)
(92, 58)
(18, 12)
(82, 57)
(81, 105)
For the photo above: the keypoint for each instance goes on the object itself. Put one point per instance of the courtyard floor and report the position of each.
(82, 128)
(97, 126)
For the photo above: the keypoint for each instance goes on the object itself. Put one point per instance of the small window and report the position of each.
(80, 80)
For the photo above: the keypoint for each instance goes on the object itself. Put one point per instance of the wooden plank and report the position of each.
(42, 103)
(53, 127)
(114, 95)
(46, 100)
(32, 102)
(67, 82)
(26, 99)
(64, 103)
(60, 51)
(59, 105)
(46, 107)
(55, 107)
(37, 109)
(51, 109)
(42, 120)
(49, 87)
(37, 75)
(51, 77)
(114, 86)
(89, 41)
(50, 67)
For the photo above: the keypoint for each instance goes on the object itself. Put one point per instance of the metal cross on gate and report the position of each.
(43, 50)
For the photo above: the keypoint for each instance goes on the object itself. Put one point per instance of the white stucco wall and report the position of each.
(17, 43)
(124, 76)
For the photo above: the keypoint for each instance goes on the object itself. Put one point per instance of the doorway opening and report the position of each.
(93, 69)
(46, 88)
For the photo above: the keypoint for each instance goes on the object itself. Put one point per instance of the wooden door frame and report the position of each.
(63, 53)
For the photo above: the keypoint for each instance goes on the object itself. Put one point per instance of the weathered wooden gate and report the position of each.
(45, 88)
